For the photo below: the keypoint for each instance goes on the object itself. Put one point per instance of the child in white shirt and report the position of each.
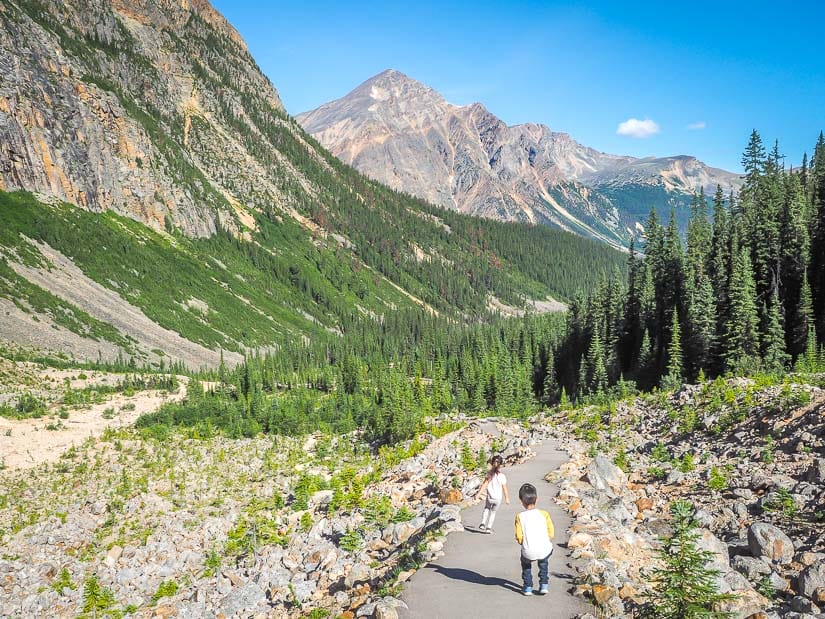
(495, 483)
(534, 530)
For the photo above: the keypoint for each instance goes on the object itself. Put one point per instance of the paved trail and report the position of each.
(479, 575)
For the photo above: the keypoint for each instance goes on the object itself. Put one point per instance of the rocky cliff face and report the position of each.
(138, 106)
(405, 134)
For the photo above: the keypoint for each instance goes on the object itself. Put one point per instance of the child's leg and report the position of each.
(493, 506)
(486, 515)
(527, 573)
(543, 576)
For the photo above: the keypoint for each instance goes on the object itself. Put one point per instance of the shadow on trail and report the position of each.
(457, 573)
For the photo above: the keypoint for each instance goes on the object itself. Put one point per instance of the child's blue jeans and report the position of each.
(527, 571)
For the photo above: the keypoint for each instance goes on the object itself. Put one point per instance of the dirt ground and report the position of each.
(26, 443)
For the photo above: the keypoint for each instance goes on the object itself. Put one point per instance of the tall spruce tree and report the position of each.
(719, 270)
(632, 325)
(816, 272)
(675, 361)
(774, 357)
(699, 301)
(742, 329)
(793, 266)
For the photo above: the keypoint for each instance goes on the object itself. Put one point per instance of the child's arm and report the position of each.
(506, 494)
(550, 530)
(482, 488)
(519, 532)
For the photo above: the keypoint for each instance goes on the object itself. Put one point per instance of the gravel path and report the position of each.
(479, 575)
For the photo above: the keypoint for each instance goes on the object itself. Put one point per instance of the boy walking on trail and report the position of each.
(495, 483)
(534, 530)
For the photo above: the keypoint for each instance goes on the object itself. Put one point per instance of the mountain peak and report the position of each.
(405, 134)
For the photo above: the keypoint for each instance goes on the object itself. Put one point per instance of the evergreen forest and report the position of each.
(743, 292)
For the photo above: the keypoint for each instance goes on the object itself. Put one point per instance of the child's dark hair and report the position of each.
(527, 494)
(496, 462)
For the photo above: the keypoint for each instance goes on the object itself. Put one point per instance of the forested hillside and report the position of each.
(743, 292)
(733, 297)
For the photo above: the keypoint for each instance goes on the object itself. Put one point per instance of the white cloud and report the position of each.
(699, 124)
(635, 128)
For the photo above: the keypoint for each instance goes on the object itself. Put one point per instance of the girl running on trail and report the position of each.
(495, 483)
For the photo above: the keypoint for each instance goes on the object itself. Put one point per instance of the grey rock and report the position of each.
(816, 472)
(770, 542)
(719, 550)
(303, 589)
(243, 599)
(750, 567)
(383, 610)
(358, 574)
(811, 579)
(603, 475)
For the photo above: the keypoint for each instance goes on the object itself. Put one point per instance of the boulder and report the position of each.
(579, 540)
(770, 542)
(303, 589)
(383, 610)
(113, 555)
(750, 567)
(719, 550)
(358, 574)
(243, 600)
(812, 579)
(450, 496)
(816, 472)
(603, 475)
(321, 498)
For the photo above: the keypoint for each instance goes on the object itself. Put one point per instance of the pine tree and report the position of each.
(741, 331)
(753, 162)
(675, 362)
(719, 270)
(774, 357)
(631, 336)
(596, 371)
(700, 319)
(793, 266)
(685, 586)
(816, 271)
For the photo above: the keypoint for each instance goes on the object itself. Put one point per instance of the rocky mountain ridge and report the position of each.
(405, 134)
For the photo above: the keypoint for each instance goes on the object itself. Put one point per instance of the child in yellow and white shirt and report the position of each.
(534, 531)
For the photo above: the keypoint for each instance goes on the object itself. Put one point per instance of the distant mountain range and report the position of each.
(406, 135)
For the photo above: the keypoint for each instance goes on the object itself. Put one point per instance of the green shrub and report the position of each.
(167, 588)
(717, 479)
(686, 465)
(350, 541)
(212, 564)
(403, 514)
(684, 586)
(96, 599)
(63, 581)
(660, 453)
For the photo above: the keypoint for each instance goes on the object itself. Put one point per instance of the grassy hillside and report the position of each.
(281, 283)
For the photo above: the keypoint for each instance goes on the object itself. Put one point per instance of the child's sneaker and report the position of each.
(489, 531)
(543, 590)
(527, 591)
(482, 528)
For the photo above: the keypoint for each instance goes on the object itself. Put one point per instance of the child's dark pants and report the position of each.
(527, 571)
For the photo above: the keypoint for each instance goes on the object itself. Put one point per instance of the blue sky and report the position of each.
(722, 68)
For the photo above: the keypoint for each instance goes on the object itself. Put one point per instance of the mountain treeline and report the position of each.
(384, 377)
(743, 291)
